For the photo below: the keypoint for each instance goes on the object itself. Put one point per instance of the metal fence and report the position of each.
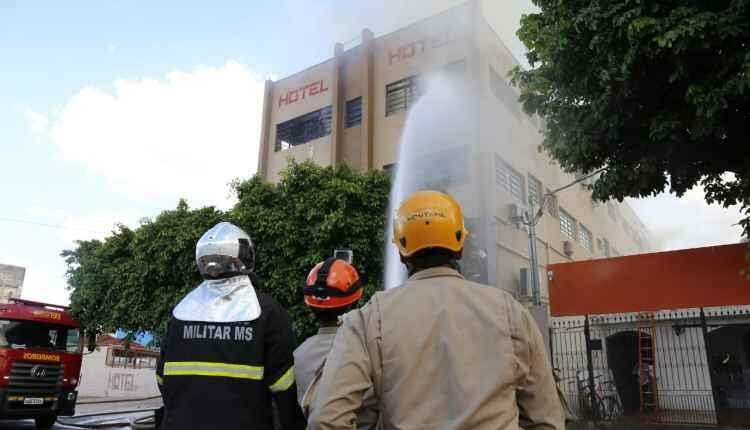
(597, 360)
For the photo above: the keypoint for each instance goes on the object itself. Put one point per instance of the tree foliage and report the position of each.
(133, 278)
(656, 92)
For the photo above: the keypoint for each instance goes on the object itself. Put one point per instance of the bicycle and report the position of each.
(607, 402)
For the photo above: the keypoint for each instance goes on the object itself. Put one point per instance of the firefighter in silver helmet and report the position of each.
(228, 350)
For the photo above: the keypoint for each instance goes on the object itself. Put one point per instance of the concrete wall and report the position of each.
(11, 281)
(100, 380)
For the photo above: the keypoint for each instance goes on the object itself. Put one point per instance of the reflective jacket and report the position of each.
(309, 359)
(224, 375)
(441, 353)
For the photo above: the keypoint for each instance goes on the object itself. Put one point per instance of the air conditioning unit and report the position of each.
(568, 248)
(515, 214)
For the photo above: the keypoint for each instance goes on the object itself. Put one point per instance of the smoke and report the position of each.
(439, 151)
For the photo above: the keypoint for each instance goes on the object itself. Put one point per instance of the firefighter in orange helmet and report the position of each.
(440, 352)
(332, 288)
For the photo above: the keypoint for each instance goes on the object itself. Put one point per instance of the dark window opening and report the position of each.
(303, 129)
(401, 95)
(353, 112)
(504, 93)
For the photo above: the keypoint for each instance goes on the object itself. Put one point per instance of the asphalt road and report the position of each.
(29, 425)
(105, 416)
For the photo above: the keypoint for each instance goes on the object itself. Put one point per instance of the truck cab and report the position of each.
(40, 361)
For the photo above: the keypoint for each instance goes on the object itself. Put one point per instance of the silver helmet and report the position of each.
(224, 250)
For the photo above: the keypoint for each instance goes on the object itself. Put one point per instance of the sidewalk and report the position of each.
(93, 405)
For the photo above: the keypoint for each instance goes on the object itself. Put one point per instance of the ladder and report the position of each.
(647, 363)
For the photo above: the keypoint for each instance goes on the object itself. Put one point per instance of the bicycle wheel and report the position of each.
(602, 410)
(612, 407)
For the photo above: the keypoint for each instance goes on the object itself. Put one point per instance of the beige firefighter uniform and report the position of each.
(308, 365)
(441, 353)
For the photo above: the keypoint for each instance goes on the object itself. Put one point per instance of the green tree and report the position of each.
(301, 220)
(655, 92)
(133, 278)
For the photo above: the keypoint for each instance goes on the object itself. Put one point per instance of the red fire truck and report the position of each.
(40, 361)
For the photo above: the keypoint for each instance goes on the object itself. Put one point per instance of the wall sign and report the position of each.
(412, 49)
(311, 89)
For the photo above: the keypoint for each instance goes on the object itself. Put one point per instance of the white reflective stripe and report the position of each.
(286, 381)
(203, 368)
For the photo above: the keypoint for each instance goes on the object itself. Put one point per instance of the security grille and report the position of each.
(353, 112)
(509, 179)
(535, 190)
(567, 225)
(401, 95)
(303, 129)
(586, 238)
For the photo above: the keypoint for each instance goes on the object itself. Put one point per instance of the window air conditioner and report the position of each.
(568, 248)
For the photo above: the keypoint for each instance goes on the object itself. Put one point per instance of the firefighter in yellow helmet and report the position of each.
(440, 352)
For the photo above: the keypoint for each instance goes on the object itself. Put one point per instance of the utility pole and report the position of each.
(530, 219)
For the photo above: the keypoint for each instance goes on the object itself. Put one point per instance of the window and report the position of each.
(586, 238)
(509, 179)
(353, 112)
(504, 93)
(401, 95)
(567, 225)
(390, 169)
(303, 129)
(552, 206)
(17, 334)
(535, 191)
(73, 341)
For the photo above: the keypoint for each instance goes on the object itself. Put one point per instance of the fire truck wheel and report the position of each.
(45, 422)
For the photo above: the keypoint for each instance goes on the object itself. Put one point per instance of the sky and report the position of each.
(112, 111)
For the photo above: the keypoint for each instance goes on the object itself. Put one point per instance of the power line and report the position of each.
(582, 178)
(57, 226)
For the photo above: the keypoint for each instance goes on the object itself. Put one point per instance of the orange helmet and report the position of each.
(332, 284)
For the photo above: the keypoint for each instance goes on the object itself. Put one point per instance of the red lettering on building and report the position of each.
(310, 89)
(412, 49)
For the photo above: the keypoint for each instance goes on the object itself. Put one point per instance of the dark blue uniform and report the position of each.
(225, 375)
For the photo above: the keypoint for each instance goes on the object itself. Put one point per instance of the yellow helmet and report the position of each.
(429, 219)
